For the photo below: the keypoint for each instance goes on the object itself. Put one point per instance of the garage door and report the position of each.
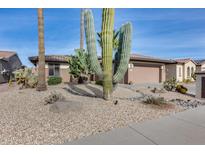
(145, 74)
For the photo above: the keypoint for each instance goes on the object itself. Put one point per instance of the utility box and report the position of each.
(200, 85)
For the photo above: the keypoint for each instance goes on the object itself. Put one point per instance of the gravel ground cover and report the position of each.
(24, 119)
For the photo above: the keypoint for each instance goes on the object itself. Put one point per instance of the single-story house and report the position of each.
(181, 70)
(9, 62)
(55, 65)
(141, 69)
(146, 69)
(200, 65)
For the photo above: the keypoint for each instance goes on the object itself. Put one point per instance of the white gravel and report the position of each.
(24, 119)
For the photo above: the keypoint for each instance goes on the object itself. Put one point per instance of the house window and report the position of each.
(54, 69)
(188, 72)
(180, 72)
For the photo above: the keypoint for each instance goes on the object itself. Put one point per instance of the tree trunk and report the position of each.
(41, 86)
(107, 48)
(81, 29)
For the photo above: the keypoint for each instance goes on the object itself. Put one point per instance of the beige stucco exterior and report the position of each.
(192, 66)
(64, 74)
(200, 67)
(180, 70)
(145, 72)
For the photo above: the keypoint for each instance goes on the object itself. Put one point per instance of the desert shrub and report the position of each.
(25, 78)
(193, 76)
(154, 100)
(181, 89)
(99, 82)
(54, 80)
(54, 97)
(187, 81)
(79, 66)
(170, 84)
(130, 83)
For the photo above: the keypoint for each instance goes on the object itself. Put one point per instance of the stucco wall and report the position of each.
(170, 71)
(64, 68)
(145, 72)
(190, 64)
(178, 68)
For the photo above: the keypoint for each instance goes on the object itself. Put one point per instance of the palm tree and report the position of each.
(41, 55)
(115, 39)
(81, 29)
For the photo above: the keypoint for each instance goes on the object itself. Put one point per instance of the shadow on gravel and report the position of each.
(76, 90)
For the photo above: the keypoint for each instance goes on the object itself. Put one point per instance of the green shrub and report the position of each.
(181, 89)
(170, 84)
(54, 80)
(99, 82)
(193, 75)
(187, 81)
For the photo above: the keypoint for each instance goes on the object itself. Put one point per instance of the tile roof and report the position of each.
(185, 60)
(199, 62)
(6, 54)
(149, 58)
(51, 58)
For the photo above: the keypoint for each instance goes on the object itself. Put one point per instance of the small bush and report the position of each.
(181, 89)
(130, 83)
(170, 85)
(187, 81)
(99, 82)
(54, 80)
(193, 76)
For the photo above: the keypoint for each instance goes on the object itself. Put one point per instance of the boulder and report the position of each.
(65, 106)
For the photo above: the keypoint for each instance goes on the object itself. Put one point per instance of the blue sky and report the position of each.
(165, 33)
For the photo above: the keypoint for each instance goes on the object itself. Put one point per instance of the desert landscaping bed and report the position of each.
(25, 119)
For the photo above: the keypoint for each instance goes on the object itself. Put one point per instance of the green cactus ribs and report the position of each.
(123, 49)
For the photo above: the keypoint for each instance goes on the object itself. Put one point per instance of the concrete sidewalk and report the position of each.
(187, 127)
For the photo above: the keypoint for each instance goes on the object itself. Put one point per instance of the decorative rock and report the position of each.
(58, 107)
(188, 103)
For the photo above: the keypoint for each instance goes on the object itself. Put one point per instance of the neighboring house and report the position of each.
(56, 65)
(9, 62)
(181, 70)
(146, 69)
(200, 65)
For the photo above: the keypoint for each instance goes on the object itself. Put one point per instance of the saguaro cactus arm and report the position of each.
(124, 50)
(91, 42)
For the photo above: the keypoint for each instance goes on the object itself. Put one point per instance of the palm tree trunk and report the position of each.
(81, 29)
(41, 56)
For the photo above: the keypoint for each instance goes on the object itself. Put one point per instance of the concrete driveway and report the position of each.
(185, 128)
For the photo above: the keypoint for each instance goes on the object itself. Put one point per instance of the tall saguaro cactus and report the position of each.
(107, 48)
(123, 52)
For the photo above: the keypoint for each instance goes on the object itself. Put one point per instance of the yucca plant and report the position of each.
(106, 40)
